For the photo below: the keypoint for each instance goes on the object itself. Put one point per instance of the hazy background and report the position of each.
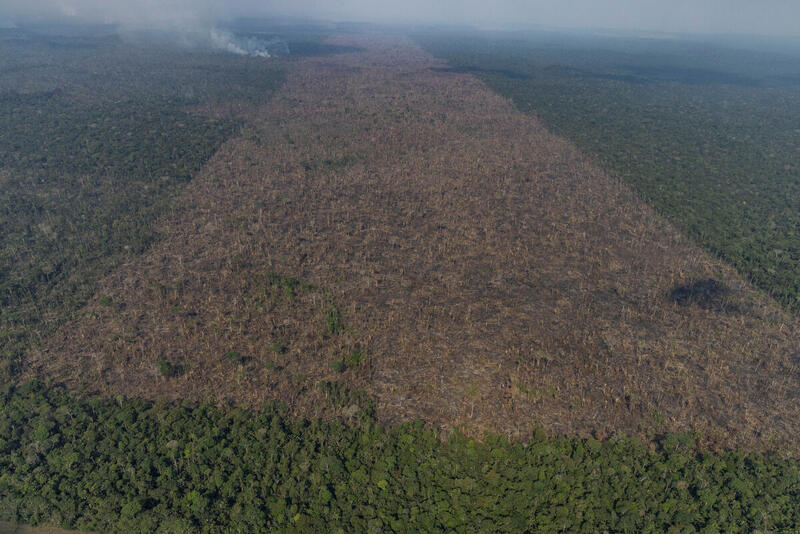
(749, 17)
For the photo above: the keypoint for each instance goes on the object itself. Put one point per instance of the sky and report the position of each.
(748, 17)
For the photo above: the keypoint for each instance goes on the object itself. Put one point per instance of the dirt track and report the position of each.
(496, 278)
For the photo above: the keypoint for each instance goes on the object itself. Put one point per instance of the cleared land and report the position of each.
(707, 133)
(409, 233)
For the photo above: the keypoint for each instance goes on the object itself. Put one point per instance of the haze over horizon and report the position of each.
(776, 18)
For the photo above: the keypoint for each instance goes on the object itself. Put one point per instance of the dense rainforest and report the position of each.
(119, 465)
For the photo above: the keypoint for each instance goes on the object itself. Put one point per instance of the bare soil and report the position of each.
(495, 277)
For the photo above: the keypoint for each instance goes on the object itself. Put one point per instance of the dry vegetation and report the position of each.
(494, 277)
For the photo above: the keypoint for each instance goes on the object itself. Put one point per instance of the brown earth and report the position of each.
(496, 278)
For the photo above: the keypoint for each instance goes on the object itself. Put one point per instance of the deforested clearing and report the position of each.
(400, 228)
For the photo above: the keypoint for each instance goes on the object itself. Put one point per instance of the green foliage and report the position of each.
(131, 466)
(334, 323)
(140, 139)
(168, 370)
(290, 287)
(708, 136)
(342, 397)
(165, 368)
(106, 301)
(353, 359)
(116, 71)
(338, 366)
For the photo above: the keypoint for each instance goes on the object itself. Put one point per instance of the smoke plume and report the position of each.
(247, 45)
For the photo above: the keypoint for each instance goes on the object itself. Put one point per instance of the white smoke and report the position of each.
(247, 45)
